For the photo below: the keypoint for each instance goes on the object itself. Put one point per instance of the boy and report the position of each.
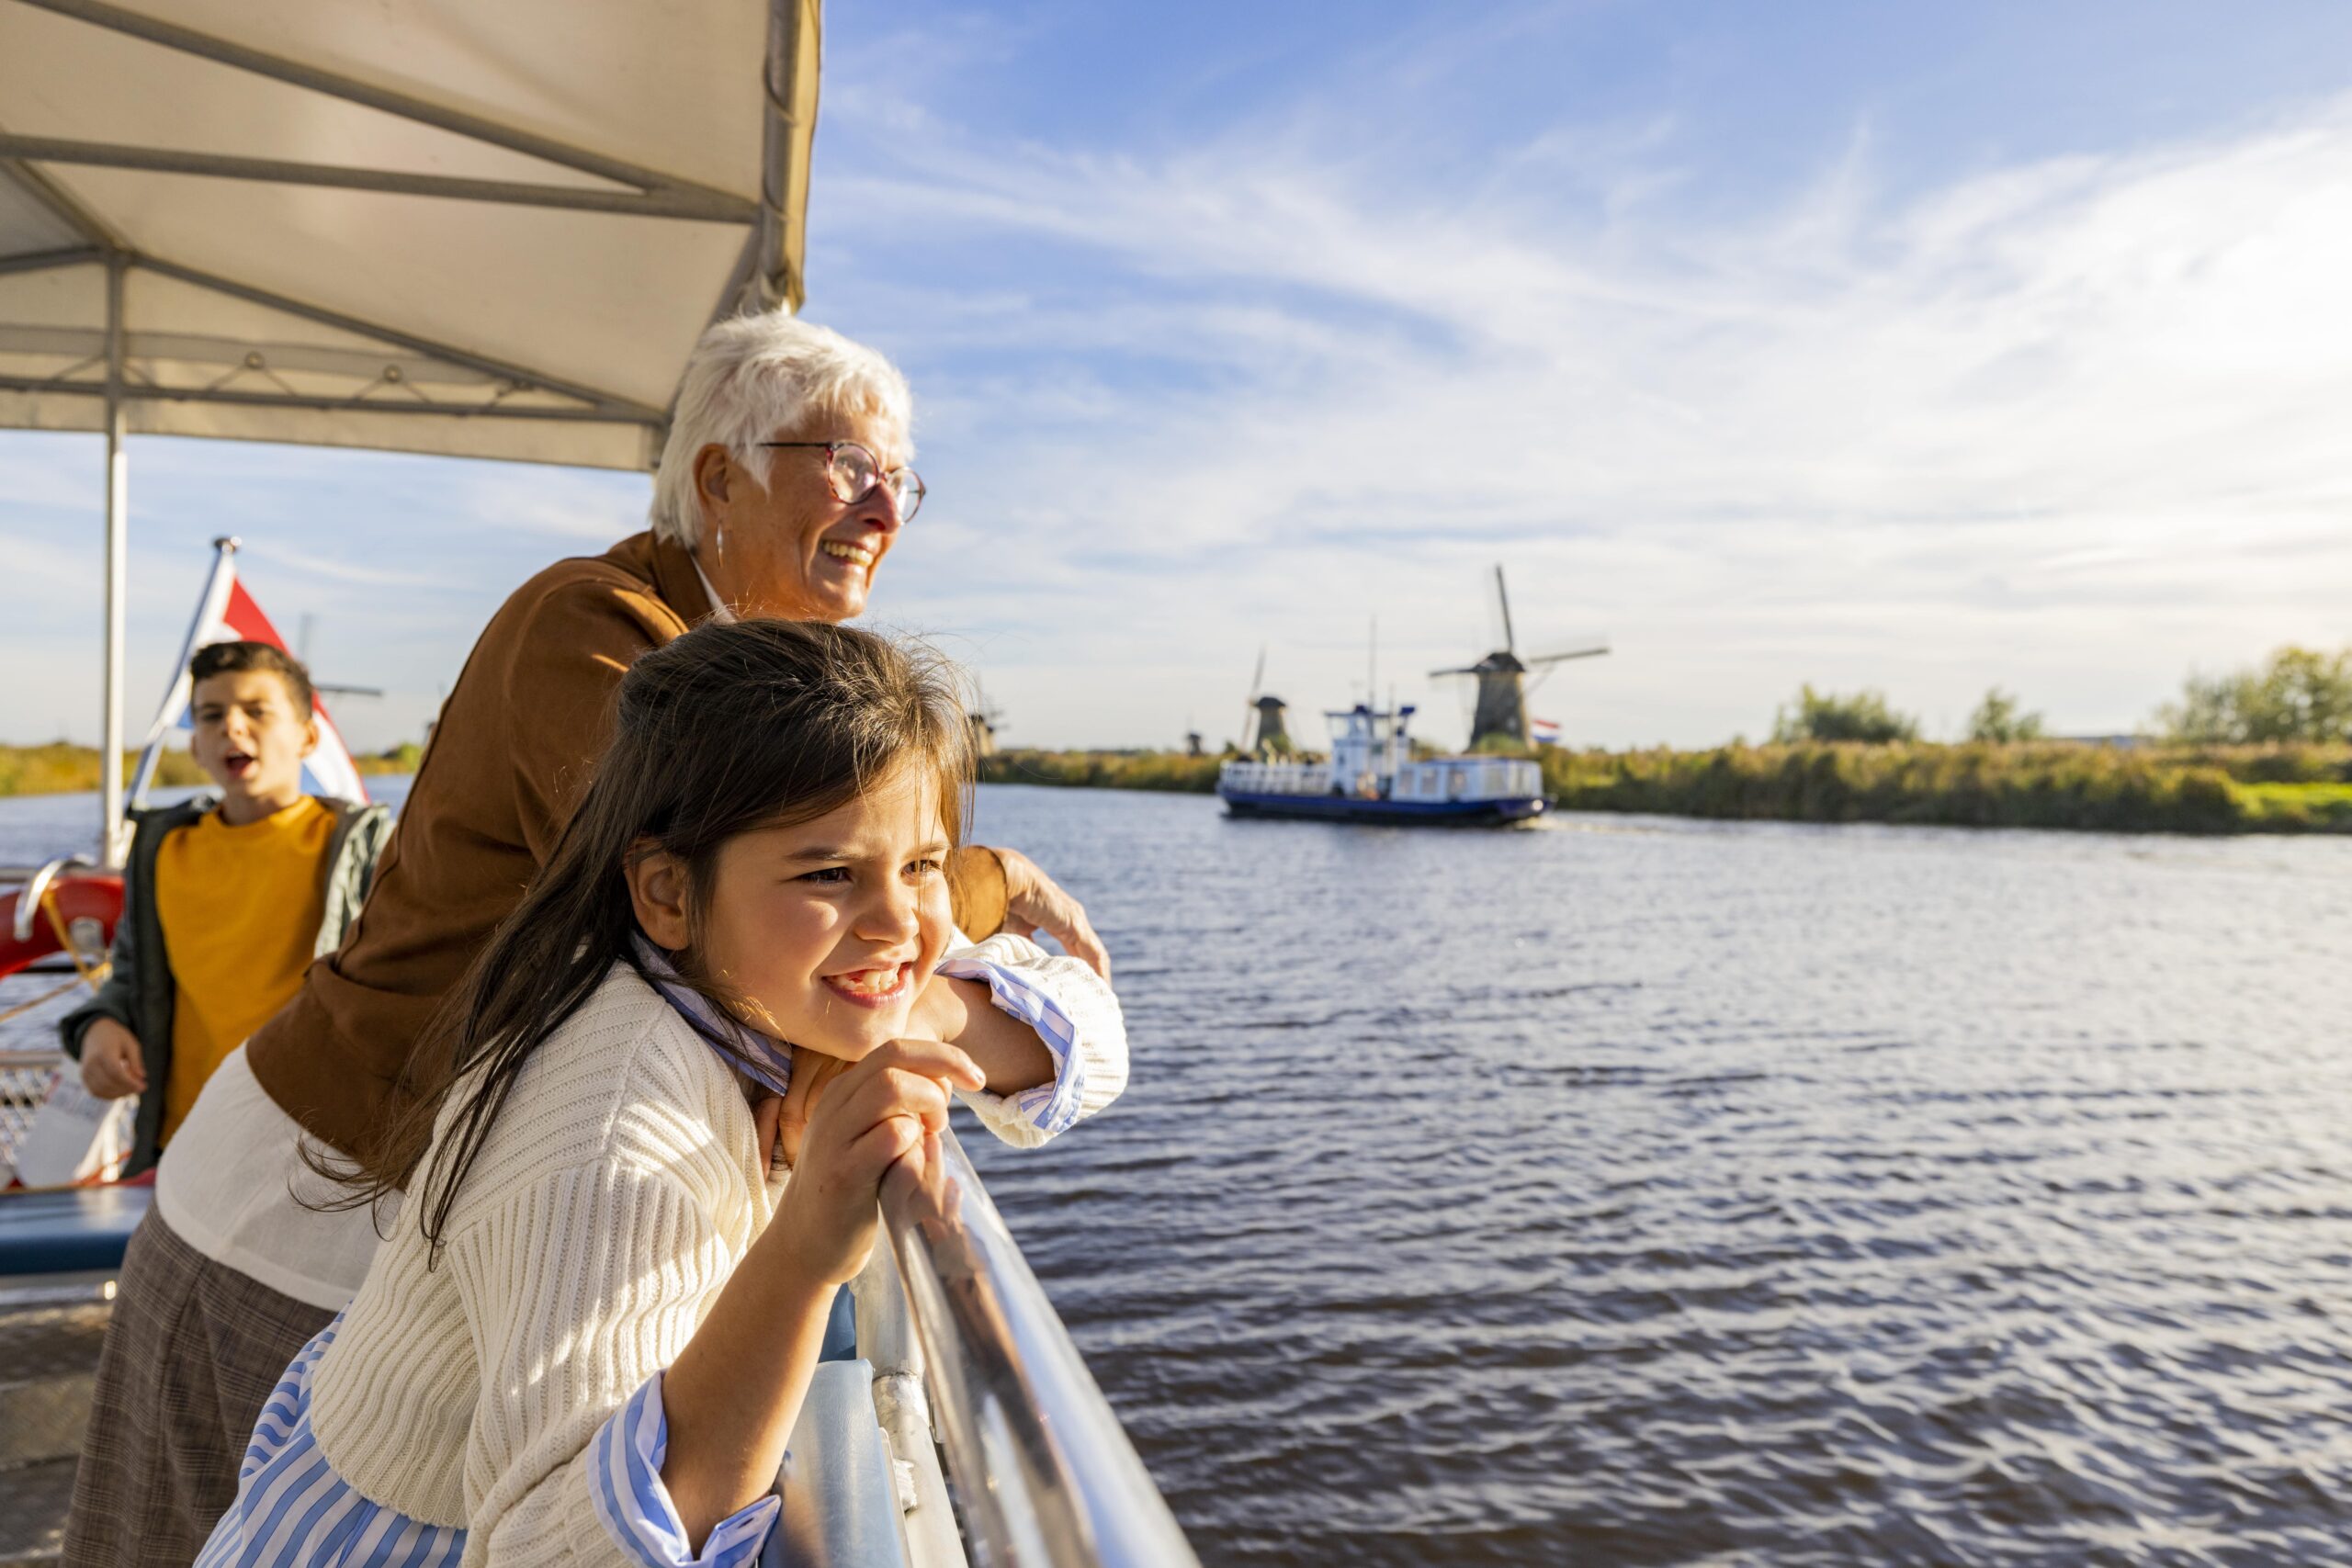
(225, 904)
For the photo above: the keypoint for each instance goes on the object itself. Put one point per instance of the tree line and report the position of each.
(2298, 694)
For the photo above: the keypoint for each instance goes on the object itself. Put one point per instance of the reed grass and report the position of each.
(2292, 788)
(405, 758)
(2298, 808)
(1172, 771)
(61, 767)
(1979, 784)
(2195, 789)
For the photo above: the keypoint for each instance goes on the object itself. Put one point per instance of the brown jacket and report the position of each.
(508, 761)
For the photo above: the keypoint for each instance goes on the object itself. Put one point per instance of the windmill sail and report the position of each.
(1249, 704)
(1502, 705)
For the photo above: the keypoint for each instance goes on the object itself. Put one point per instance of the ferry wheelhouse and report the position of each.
(1373, 777)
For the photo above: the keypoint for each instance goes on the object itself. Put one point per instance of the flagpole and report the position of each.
(111, 844)
(175, 694)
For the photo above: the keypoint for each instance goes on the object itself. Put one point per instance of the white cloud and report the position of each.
(2070, 426)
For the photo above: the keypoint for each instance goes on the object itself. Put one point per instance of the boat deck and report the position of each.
(48, 1336)
(48, 1360)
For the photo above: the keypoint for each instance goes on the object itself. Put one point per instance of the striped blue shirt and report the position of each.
(1052, 1106)
(293, 1511)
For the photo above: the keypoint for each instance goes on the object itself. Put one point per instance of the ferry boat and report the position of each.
(1373, 777)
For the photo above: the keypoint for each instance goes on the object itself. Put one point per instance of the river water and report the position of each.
(1624, 1191)
(1642, 1191)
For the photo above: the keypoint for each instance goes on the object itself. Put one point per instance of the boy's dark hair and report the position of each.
(235, 657)
(726, 730)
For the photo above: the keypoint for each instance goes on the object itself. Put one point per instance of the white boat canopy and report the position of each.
(435, 226)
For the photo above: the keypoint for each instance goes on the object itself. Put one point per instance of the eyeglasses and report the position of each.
(852, 472)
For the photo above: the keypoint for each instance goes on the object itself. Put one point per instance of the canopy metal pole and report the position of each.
(110, 835)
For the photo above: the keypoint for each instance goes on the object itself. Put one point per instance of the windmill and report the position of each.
(1502, 678)
(984, 718)
(1262, 716)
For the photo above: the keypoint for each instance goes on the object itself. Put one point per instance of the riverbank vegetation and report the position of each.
(2266, 749)
(1174, 772)
(1823, 716)
(405, 758)
(61, 767)
(2049, 784)
(2298, 694)
(1975, 784)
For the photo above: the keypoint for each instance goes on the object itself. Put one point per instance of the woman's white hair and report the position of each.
(751, 376)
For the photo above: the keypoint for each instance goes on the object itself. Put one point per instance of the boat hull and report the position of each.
(1386, 813)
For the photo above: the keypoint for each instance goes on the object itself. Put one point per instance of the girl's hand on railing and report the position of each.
(868, 1116)
(811, 1072)
(733, 1394)
(1036, 902)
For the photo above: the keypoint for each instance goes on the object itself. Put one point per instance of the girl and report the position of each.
(630, 1213)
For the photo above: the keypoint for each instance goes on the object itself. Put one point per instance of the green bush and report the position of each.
(2299, 693)
(1824, 716)
(2298, 807)
(2047, 785)
(1998, 720)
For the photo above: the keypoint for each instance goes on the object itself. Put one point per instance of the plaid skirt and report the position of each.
(192, 1352)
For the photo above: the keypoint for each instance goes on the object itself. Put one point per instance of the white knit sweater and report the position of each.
(618, 1189)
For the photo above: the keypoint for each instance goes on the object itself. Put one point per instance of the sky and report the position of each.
(1921, 348)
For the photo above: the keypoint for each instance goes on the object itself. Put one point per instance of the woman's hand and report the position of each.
(1033, 901)
(111, 1064)
(866, 1116)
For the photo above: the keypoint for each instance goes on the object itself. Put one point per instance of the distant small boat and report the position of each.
(1372, 778)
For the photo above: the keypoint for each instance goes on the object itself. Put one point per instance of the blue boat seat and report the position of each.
(76, 1230)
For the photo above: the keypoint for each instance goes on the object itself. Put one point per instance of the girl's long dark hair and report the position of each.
(730, 728)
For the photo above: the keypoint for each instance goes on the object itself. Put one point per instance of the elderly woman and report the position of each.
(784, 485)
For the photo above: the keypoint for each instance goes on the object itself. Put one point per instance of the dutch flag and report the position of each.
(1546, 732)
(228, 614)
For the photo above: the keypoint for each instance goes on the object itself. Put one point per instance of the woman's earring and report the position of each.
(718, 545)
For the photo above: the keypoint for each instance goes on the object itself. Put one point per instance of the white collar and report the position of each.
(720, 609)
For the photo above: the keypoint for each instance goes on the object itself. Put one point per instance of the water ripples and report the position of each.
(1681, 1194)
(1653, 1192)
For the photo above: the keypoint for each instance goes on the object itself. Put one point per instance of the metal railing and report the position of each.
(1276, 778)
(1467, 778)
(1044, 1472)
(36, 883)
(25, 1077)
